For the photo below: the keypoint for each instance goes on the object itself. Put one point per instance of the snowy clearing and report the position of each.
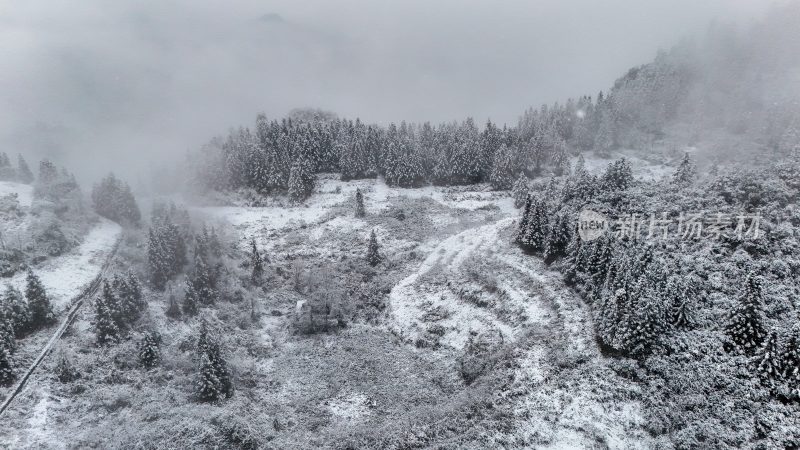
(333, 196)
(65, 276)
(24, 192)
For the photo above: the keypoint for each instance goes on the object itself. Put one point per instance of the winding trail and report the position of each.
(564, 393)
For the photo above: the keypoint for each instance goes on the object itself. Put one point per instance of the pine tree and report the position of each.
(491, 140)
(618, 175)
(15, 311)
(256, 263)
(114, 200)
(534, 226)
(203, 337)
(201, 283)
(191, 302)
(502, 175)
(173, 310)
(576, 257)
(157, 259)
(686, 172)
(214, 244)
(105, 325)
(7, 172)
(746, 324)
(678, 295)
(149, 351)
(65, 370)
(41, 312)
(770, 367)
(214, 378)
(296, 188)
(791, 365)
(559, 237)
(48, 173)
(520, 190)
(24, 173)
(208, 385)
(301, 181)
(220, 368)
(360, 212)
(373, 250)
(643, 324)
(166, 251)
(7, 366)
(560, 158)
(525, 220)
(129, 297)
(580, 166)
(608, 316)
(7, 335)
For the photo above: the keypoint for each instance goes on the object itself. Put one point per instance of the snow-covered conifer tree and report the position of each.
(491, 140)
(166, 252)
(24, 173)
(558, 237)
(502, 175)
(201, 285)
(105, 324)
(560, 158)
(533, 230)
(48, 172)
(7, 365)
(191, 302)
(149, 349)
(208, 385)
(686, 171)
(360, 212)
(580, 165)
(790, 358)
(746, 324)
(373, 250)
(645, 325)
(618, 175)
(41, 311)
(256, 262)
(520, 190)
(65, 369)
(15, 311)
(770, 365)
(301, 181)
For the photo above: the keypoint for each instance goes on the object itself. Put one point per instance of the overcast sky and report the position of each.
(118, 80)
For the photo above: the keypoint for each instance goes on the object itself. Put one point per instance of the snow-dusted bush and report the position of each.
(9, 206)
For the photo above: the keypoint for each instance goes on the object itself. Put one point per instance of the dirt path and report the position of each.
(564, 395)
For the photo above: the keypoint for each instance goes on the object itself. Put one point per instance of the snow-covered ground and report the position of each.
(413, 297)
(642, 168)
(332, 193)
(349, 407)
(65, 276)
(551, 408)
(24, 192)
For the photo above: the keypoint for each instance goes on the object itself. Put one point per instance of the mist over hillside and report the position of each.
(155, 80)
